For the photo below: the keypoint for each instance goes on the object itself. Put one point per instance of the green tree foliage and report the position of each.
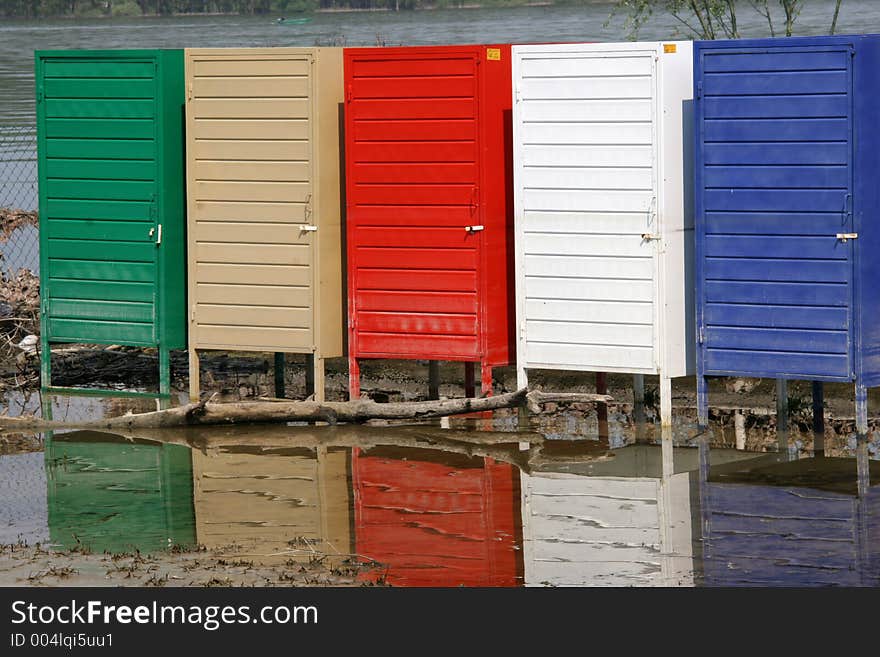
(714, 19)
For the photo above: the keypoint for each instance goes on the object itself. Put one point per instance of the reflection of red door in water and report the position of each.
(437, 519)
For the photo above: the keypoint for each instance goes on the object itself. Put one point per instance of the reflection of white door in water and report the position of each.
(628, 521)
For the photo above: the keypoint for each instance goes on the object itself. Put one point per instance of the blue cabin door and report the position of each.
(774, 201)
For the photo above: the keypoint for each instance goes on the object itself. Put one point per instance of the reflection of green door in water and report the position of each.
(118, 496)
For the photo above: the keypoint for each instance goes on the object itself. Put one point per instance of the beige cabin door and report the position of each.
(249, 178)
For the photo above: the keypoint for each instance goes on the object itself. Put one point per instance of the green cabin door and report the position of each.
(99, 229)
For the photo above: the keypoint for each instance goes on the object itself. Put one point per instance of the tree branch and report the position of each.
(834, 19)
(359, 410)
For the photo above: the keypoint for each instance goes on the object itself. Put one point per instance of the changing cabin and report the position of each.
(603, 219)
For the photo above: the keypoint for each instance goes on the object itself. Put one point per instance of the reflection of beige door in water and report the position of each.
(264, 203)
(272, 508)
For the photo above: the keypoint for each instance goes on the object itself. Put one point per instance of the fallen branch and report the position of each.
(359, 410)
(535, 398)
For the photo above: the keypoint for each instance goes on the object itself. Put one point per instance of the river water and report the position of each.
(18, 40)
(427, 506)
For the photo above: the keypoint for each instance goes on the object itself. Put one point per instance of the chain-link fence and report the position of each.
(19, 240)
(19, 236)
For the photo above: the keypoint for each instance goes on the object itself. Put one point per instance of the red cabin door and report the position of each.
(414, 212)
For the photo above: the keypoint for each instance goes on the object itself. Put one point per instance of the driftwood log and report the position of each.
(359, 410)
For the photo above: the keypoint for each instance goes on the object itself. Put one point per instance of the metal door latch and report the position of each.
(153, 231)
(649, 236)
(473, 229)
(843, 237)
(308, 229)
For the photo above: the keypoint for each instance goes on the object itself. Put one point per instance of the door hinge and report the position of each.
(189, 91)
(192, 315)
(699, 89)
(348, 94)
(40, 94)
(702, 336)
(517, 94)
(522, 330)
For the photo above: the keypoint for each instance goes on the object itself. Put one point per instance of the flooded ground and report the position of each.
(563, 498)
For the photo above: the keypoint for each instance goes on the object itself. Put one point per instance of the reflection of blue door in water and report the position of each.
(802, 523)
(118, 496)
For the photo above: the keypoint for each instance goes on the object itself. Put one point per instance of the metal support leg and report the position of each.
(194, 380)
(354, 378)
(863, 518)
(485, 380)
(669, 547)
(602, 408)
(666, 453)
(310, 375)
(703, 541)
(45, 357)
(522, 378)
(279, 374)
(470, 383)
(665, 401)
(639, 398)
(164, 371)
(782, 416)
(739, 428)
(522, 413)
(861, 412)
(315, 368)
(433, 379)
(702, 403)
(818, 419)
(781, 405)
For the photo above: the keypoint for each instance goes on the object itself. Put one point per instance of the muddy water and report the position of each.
(467, 502)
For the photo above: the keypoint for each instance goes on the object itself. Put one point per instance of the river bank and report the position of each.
(41, 565)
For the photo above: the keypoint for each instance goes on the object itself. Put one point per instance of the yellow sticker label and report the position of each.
(493, 54)
(669, 47)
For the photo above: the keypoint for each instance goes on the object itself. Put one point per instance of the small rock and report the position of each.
(29, 344)
(741, 385)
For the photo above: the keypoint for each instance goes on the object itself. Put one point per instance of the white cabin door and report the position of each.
(587, 203)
